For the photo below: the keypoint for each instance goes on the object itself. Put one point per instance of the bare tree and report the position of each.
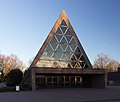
(10, 62)
(105, 62)
(113, 65)
(101, 61)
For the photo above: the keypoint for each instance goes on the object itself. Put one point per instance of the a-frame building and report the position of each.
(62, 48)
(62, 61)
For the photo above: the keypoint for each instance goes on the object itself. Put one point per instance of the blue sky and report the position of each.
(25, 24)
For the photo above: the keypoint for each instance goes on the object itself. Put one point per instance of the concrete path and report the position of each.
(110, 94)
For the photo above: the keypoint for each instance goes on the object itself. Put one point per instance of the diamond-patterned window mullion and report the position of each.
(63, 40)
(59, 31)
(68, 55)
(79, 65)
(68, 33)
(80, 57)
(52, 55)
(73, 63)
(73, 57)
(63, 46)
(77, 50)
(63, 57)
(72, 41)
(49, 48)
(68, 38)
(53, 40)
(77, 55)
(82, 61)
(63, 29)
(84, 65)
(68, 49)
(54, 46)
(57, 55)
(73, 47)
(47, 54)
(74, 50)
(63, 26)
(58, 48)
(58, 37)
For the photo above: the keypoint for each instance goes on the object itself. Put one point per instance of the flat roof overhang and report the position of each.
(74, 71)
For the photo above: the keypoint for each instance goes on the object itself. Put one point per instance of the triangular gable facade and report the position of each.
(62, 48)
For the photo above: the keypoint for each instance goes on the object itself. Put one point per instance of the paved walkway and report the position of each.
(110, 94)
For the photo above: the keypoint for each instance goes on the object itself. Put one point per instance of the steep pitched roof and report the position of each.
(62, 48)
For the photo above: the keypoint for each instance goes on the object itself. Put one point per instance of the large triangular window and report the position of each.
(61, 49)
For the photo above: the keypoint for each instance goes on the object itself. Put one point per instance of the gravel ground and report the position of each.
(109, 94)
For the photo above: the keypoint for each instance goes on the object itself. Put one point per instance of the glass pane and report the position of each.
(64, 57)
(63, 29)
(68, 38)
(49, 53)
(58, 37)
(68, 55)
(68, 33)
(73, 41)
(54, 56)
(63, 40)
(73, 58)
(54, 45)
(57, 55)
(63, 46)
(63, 23)
(48, 48)
(53, 40)
(82, 59)
(58, 48)
(58, 31)
(68, 49)
(77, 50)
(73, 46)
(77, 55)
